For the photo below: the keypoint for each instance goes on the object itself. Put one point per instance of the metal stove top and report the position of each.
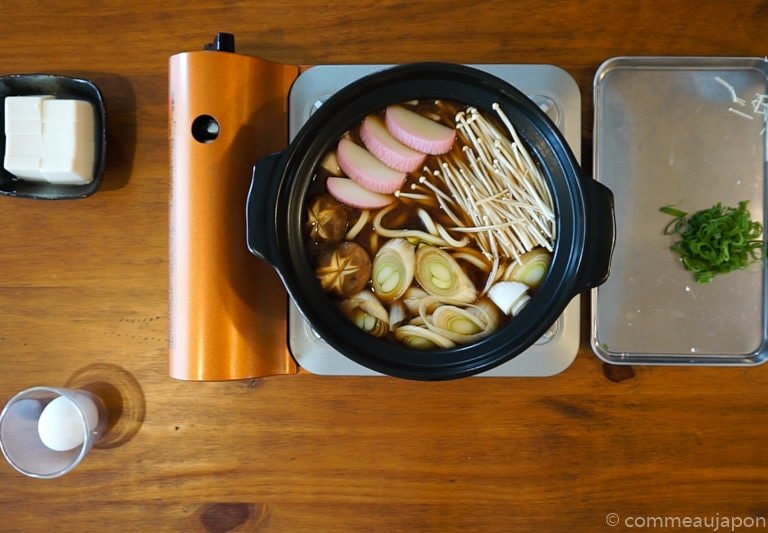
(558, 95)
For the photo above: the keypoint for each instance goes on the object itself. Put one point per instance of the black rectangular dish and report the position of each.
(60, 87)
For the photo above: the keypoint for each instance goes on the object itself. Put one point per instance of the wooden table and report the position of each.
(85, 283)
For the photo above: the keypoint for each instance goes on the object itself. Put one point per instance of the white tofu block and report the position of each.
(24, 167)
(49, 139)
(68, 139)
(24, 127)
(24, 107)
(67, 111)
(67, 171)
(23, 145)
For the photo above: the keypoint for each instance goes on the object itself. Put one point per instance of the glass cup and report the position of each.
(46, 431)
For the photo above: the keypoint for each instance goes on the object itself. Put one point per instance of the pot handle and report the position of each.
(260, 210)
(601, 236)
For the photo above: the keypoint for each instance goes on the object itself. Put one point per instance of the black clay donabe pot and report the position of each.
(276, 210)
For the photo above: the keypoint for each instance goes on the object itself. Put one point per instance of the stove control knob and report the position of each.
(223, 42)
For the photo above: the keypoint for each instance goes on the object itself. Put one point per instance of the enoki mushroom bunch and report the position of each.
(498, 186)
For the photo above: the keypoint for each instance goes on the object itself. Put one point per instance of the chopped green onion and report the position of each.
(669, 210)
(715, 241)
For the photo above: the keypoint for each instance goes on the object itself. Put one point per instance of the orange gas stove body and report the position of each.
(228, 309)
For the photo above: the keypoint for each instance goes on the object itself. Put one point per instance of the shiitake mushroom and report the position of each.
(326, 220)
(344, 270)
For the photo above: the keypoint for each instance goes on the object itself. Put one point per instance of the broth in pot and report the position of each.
(430, 224)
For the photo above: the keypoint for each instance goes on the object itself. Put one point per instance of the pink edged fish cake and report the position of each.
(418, 132)
(387, 149)
(364, 168)
(352, 194)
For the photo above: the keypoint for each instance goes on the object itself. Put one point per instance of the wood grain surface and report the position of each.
(85, 283)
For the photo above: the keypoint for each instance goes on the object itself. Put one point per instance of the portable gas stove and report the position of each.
(228, 313)
(558, 95)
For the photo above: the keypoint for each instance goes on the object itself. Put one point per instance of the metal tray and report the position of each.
(678, 130)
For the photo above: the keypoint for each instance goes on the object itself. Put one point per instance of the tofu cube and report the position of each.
(67, 170)
(23, 145)
(25, 127)
(68, 111)
(24, 107)
(24, 167)
(68, 139)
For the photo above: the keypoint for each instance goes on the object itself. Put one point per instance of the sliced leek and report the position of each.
(397, 314)
(530, 269)
(457, 320)
(421, 338)
(509, 296)
(441, 275)
(393, 269)
(456, 323)
(487, 311)
(412, 298)
(366, 311)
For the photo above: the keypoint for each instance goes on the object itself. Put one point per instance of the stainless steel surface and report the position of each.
(688, 132)
(557, 94)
